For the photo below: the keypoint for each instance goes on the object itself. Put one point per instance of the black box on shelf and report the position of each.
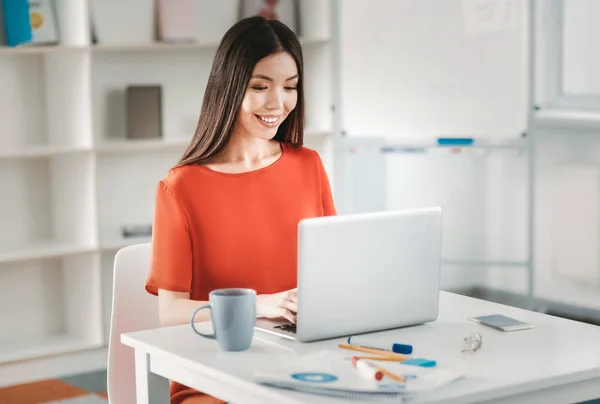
(144, 112)
(136, 231)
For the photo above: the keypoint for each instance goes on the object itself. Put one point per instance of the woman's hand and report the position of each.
(277, 305)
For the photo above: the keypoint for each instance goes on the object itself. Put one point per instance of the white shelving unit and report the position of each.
(71, 179)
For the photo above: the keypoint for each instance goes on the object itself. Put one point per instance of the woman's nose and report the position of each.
(275, 100)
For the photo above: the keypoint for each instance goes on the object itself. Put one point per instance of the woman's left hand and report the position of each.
(278, 305)
(289, 301)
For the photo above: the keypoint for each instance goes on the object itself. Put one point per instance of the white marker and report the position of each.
(367, 369)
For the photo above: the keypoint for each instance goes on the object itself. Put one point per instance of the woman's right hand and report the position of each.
(278, 305)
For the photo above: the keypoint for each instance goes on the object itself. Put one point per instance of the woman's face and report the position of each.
(270, 97)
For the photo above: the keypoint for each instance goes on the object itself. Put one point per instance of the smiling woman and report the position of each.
(256, 78)
(227, 215)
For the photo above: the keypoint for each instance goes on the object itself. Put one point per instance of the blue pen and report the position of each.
(396, 348)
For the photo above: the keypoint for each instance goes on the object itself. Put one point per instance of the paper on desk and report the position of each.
(332, 373)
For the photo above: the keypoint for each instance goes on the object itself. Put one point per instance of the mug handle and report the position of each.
(209, 336)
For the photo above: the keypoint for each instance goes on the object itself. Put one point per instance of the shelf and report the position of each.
(74, 180)
(163, 46)
(140, 145)
(124, 146)
(49, 345)
(35, 151)
(148, 47)
(43, 250)
(118, 243)
(563, 118)
(28, 50)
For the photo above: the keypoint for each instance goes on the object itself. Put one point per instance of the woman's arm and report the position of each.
(175, 308)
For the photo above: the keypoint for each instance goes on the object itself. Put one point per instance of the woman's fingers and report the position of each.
(289, 305)
(289, 316)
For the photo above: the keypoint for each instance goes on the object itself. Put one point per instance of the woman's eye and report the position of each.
(290, 88)
(259, 88)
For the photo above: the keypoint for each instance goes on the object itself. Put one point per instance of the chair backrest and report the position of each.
(133, 309)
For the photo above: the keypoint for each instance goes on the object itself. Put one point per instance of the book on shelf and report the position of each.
(144, 111)
(42, 17)
(28, 22)
(17, 25)
(176, 20)
(2, 28)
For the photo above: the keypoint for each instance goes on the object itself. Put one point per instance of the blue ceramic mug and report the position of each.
(233, 313)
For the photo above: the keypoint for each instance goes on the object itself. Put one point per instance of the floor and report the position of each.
(87, 388)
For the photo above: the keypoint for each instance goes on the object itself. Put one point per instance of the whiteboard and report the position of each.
(421, 69)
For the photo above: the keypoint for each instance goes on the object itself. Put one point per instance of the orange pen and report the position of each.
(392, 375)
(381, 358)
(398, 357)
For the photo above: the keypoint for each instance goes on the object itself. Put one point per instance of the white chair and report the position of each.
(133, 309)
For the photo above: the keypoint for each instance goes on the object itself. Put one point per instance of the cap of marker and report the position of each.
(397, 348)
(402, 348)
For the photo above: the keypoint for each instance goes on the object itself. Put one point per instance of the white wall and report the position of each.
(412, 71)
(485, 199)
(556, 148)
(574, 144)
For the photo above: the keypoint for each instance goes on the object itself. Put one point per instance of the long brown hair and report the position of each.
(242, 47)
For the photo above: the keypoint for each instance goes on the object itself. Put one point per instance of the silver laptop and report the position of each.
(364, 272)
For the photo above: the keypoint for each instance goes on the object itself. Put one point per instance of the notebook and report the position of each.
(331, 373)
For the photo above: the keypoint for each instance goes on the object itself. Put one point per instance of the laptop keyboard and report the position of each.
(287, 327)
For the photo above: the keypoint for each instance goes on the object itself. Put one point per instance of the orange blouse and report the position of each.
(215, 230)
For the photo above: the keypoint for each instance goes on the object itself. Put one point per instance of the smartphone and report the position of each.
(501, 322)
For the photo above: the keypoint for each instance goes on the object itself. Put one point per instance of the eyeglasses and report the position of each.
(472, 343)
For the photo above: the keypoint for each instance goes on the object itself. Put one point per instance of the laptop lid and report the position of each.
(368, 272)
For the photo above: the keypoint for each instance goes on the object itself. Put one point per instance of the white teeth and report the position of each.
(269, 120)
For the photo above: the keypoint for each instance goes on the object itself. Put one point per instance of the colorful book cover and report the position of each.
(43, 22)
(17, 25)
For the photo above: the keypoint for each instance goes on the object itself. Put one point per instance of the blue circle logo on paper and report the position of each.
(314, 377)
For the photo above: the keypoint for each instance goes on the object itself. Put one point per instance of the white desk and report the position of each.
(556, 362)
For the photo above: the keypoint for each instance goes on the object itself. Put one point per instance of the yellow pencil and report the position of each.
(397, 356)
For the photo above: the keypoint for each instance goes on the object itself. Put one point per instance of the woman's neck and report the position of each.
(247, 150)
